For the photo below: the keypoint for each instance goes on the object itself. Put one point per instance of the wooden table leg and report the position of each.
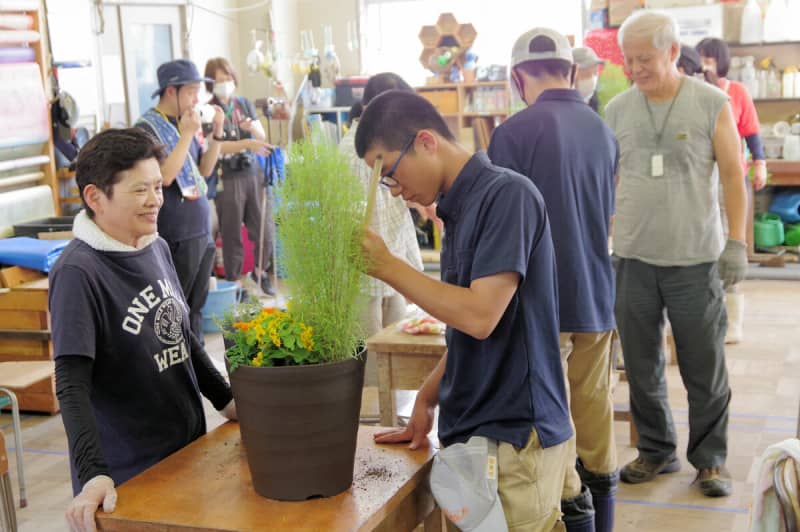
(8, 515)
(434, 522)
(386, 403)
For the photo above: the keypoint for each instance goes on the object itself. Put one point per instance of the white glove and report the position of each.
(230, 411)
(80, 512)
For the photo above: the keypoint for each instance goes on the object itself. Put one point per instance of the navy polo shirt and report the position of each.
(505, 385)
(571, 156)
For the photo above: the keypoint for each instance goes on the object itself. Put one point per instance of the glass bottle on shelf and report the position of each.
(774, 87)
(789, 75)
(748, 76)
(761, 76)
(735, 68)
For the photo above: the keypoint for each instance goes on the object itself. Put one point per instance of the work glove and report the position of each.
(733, 263)
(80, 512)
(229, 411)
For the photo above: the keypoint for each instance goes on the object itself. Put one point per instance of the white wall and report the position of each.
(214, 32)
(314, 14)
(287, 40)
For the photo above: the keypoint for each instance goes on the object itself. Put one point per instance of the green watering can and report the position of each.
(768, 230)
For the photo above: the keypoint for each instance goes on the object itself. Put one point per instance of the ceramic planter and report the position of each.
(299, 426)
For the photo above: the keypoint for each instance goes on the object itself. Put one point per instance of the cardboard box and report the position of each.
(619, 10)
(698, 22)
(445, 100)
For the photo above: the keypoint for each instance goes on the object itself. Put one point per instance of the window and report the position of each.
(390, 29)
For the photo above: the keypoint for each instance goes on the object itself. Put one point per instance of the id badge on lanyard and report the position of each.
(657, 165)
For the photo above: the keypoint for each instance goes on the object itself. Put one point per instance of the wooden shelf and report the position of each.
(486, 114)
(776, 100)
(471, 85)
(783, 173)
(754, 44)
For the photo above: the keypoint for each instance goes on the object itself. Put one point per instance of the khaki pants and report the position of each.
(587, 369)
(529, 483)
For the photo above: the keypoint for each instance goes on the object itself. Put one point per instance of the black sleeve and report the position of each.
(73, 385)
(755, 146)
(212, 385)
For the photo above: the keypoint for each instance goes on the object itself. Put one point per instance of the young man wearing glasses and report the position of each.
(501, 380)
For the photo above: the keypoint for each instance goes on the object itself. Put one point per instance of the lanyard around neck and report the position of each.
(660, 134)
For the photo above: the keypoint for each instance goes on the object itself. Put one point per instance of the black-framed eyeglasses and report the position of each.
(388, 180)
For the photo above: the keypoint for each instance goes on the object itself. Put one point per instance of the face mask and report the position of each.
(224, 90)
(586, 87)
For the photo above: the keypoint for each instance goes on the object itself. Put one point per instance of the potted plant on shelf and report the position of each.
(297, 373)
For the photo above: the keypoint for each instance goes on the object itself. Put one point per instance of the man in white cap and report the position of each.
(668, 237)
(587, 74)
(571, 155)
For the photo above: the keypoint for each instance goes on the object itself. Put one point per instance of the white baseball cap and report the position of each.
(464, 483)
(586, 57)
(560, 49)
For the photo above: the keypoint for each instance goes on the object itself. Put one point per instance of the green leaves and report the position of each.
(322, 207)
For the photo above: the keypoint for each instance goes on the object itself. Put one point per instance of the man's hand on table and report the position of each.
(417, 430)
(80, 513)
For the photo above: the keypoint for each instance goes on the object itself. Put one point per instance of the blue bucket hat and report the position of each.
(178, 72)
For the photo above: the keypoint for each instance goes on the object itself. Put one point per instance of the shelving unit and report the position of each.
(456, 103)
(771, 110)
(737, 45)
(776, 100)
(38, 168)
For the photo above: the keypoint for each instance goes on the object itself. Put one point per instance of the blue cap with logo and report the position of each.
(178, 72)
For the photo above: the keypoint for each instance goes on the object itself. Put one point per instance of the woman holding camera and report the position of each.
(242, 187)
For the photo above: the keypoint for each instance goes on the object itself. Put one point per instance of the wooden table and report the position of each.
(404, 361)
(206, 487)
(33, 383)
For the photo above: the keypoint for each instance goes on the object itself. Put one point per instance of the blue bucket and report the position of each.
(786, 204)
(218, 301)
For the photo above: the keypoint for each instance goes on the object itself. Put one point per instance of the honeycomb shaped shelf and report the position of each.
(445, 34)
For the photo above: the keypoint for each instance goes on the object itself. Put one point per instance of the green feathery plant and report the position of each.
(320, 222)
(612, 81)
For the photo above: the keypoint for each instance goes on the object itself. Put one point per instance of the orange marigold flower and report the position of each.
(242, 326)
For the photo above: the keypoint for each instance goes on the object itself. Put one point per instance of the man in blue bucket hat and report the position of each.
(185, 220)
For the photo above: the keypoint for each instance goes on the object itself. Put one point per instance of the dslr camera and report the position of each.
(239, 161)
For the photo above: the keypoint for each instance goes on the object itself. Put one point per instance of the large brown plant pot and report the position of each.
(299, 426)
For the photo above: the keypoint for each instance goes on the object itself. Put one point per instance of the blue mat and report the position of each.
(31, 252)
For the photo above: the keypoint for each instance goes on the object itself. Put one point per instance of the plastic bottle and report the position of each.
(752, 29)
(761, 75)
(777, 21)
(774, 86)
(789, 82)
(748, 75)
(734, 72)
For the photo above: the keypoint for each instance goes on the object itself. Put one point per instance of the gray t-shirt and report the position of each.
(672, 219)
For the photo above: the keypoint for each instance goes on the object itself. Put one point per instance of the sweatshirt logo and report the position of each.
(168, 313)
(168, 322)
